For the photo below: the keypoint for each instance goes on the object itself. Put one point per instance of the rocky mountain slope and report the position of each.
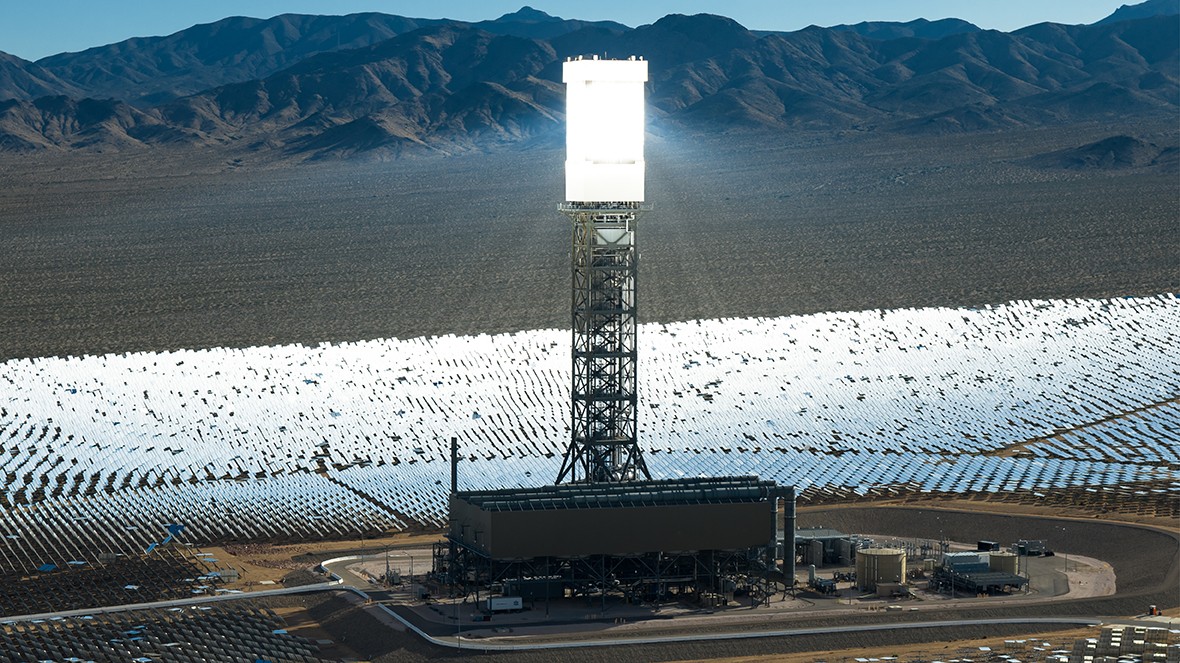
(1144, 10)
(152, 70)
(21, 79)
(1113, 153)
(920, 28)
(383, 85)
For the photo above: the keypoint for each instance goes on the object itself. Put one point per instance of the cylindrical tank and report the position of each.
(877, 565)
(1004, 562)
(811, 574)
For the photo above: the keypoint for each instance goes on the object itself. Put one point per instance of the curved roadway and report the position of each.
(1145, 560)
(447, 635)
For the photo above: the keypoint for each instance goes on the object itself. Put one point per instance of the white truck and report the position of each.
(503, 603)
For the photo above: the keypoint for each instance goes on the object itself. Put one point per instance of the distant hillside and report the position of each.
(447, 84)
(672, 42)
(151, 70)
(920, 28)
(21, 79)
(988, 79)
(1116, 152)
(1143, 10)
(61, 122)
(535, 24)
(453, 86)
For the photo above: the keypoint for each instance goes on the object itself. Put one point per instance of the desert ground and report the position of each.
(183, 249)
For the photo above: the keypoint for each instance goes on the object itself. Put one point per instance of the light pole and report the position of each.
(387, 567)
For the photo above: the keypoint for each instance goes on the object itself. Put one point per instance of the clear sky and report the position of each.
(32, 29)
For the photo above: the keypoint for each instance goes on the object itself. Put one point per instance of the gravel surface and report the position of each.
(113, 253)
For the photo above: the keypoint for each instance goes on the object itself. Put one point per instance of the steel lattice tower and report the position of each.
(604, 186)
(603, 447)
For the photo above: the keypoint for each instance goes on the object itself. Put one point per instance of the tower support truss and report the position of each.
(603, 446)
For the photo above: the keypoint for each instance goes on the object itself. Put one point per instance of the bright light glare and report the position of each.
(604, 130)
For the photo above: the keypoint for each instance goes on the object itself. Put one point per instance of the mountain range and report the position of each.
(328, 86)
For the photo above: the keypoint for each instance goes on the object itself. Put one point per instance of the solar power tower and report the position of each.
(604, 186)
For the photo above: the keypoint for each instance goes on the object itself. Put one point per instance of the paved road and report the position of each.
(175, 603)
(447, 634)
(411, 621)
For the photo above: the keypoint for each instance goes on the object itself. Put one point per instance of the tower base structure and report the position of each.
(642, 540)
(604, 264)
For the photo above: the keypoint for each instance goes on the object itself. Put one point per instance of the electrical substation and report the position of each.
(605, 527)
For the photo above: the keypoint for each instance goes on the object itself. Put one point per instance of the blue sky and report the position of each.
(32, 29)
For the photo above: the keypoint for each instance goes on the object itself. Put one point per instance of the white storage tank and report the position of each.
(878, 565)
(1004, 562)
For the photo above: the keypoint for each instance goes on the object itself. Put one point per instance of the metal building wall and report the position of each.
(612, 531)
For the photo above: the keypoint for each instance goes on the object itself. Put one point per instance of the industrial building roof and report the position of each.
(713, 490)
(984, 579)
